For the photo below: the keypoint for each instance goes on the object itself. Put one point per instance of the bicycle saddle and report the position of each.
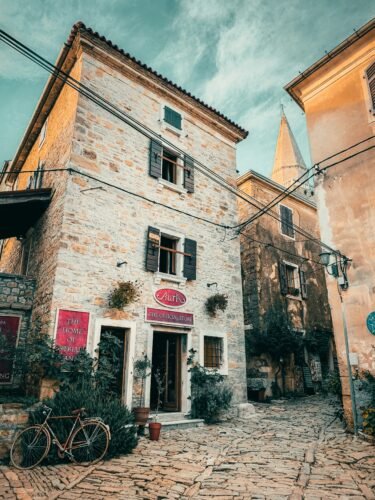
(78, 411)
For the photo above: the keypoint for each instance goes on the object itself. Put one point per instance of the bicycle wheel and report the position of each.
(30, 447)
(89, 443)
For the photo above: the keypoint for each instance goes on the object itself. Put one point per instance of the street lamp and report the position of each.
(342, 263)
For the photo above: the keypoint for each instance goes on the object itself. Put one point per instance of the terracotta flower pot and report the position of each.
(154, 430)
(141, 415)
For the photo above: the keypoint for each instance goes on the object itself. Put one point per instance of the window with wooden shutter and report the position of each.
(286, 216)
(302, 279)
(156, 151)
(152, 249)
(190, 260)
(189, 174)
(370, 73)
(283, 278)
(172, 117)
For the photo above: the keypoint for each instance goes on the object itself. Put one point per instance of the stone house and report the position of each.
(337, 94)
(108, 202)
(283, 282)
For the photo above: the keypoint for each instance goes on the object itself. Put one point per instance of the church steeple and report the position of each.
(288, 164)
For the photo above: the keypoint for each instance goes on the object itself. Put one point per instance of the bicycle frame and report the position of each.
(55, 440)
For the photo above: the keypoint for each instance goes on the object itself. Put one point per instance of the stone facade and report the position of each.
(336, 98)
(102, 210)
(264, 300)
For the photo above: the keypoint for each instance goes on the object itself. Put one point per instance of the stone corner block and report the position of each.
(245, 410)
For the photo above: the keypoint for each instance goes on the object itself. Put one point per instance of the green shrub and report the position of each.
(97, 404)
(333, 383)
(210, 395)
(216, 302)
(125, 293)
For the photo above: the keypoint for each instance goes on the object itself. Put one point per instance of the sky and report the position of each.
(236, 55)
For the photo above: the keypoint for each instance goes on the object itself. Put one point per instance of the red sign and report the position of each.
(9, 328)
(71, 332)
(171, 317)
(170, 297)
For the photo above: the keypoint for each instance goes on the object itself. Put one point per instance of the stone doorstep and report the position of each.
(178, 420)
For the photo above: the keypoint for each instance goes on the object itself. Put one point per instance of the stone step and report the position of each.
(176, 420)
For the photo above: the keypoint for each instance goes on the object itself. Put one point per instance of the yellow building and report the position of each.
(337, 94)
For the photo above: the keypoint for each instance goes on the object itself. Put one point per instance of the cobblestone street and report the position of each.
(293, 450)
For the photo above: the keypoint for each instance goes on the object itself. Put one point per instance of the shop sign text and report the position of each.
(71, 332)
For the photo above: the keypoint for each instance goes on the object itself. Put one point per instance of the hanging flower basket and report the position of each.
(216, 302)
(123, 294)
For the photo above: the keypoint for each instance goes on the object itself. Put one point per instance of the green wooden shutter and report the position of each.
(370, 73)
(190, 263)
(283, 278)
(189, 174)
(172, 117)
(302, 279)
(152, 249)
(156, 150)
(286, 216)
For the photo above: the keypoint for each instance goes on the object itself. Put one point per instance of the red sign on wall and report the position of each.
(71, 332)
(170, 297)
(171, 317)
(9, 328)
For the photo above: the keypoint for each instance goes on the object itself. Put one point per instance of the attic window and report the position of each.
(43, 134)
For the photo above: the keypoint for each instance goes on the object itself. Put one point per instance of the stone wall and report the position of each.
(13, 417)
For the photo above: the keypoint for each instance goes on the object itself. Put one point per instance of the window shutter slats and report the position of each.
(152, 249)
(370, 73)
(302, 279)
(286, 215)
(190, 263)
(283, 279)
(172, 117)
(189, 174)
(156, 150)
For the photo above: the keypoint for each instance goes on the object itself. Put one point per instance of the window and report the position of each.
(213, 352)
(286, 215)
(167, 255)
(171, 254)
(43, 133)
(172, 117)
(292, 280)
(171, 167)
(370, 74)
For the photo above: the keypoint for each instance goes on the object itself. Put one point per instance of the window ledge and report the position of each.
(167, 126)
(223, 370)
(181, 280)
(169, 185)
(294, 297)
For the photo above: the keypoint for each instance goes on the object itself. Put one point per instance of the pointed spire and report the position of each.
(288, 164)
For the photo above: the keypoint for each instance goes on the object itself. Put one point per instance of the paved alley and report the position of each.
(291, 451)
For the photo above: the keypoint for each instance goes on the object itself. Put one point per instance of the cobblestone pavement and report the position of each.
(288, 451)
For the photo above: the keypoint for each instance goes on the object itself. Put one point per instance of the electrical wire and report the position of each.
(141, 128)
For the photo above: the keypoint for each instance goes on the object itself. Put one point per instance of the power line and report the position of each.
(132, 122)
(288, 190)
(108, 184)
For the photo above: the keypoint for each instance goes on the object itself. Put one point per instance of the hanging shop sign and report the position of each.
(170, 297)
(9, 331)
(370, 322)
(72, 329)
(169, 317)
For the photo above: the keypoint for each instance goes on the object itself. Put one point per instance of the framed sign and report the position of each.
(71, 332)
(9, 332)
(169, 317)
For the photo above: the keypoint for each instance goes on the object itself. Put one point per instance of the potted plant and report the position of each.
(155, 426)
(123, 294)
(141, 372)
(216, 302)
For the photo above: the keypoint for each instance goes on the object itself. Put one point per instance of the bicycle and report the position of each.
(87, 442)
